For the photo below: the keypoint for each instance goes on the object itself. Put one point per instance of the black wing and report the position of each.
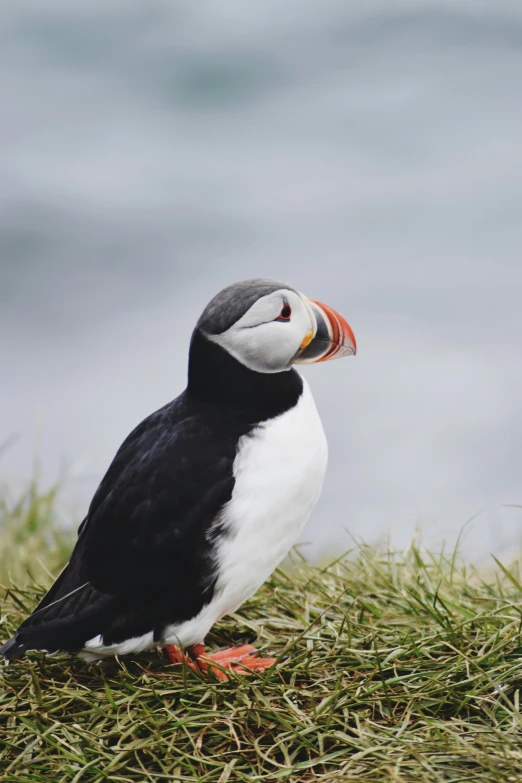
(147, 522)
(142, 558)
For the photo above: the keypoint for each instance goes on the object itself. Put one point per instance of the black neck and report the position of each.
(215, 377)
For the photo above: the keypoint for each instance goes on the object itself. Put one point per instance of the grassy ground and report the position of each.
(394, 667)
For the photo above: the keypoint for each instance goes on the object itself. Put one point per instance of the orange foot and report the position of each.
(242, 659)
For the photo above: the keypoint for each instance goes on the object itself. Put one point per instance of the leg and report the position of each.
(176, 655)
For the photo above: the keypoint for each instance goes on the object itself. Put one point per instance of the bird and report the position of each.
(206, 496)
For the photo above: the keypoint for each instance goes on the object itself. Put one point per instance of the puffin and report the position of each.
(206, 496)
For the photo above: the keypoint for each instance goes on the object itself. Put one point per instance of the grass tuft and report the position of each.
(32, 543)
(398, 667)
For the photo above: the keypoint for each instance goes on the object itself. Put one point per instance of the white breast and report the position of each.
(279, 472)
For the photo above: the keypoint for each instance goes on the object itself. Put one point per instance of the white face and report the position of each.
(269, 336)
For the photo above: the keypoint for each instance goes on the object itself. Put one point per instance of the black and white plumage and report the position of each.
(207, 495)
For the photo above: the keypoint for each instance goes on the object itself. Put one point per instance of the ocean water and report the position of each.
(152, 153)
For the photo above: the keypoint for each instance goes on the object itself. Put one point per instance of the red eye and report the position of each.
(285, 313)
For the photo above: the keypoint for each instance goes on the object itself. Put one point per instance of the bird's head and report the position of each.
(268, 326)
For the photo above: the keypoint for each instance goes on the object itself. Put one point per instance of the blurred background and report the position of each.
(369, 154)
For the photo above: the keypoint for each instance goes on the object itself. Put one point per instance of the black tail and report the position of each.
(13, 649)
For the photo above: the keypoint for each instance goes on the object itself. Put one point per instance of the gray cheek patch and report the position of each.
(233, 302)
(260, 341)
(265, 310)
(256, 347)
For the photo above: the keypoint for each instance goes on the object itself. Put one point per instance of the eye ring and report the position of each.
(286, 312)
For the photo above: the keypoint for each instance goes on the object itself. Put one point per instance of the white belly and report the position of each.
(279, 472)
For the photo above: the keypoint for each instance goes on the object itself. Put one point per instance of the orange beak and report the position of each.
(332, 339)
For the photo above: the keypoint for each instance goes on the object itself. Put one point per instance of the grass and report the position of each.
(32, 542)
(400, 667)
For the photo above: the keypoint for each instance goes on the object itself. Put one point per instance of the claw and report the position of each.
(255, 664)
(232, 655)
